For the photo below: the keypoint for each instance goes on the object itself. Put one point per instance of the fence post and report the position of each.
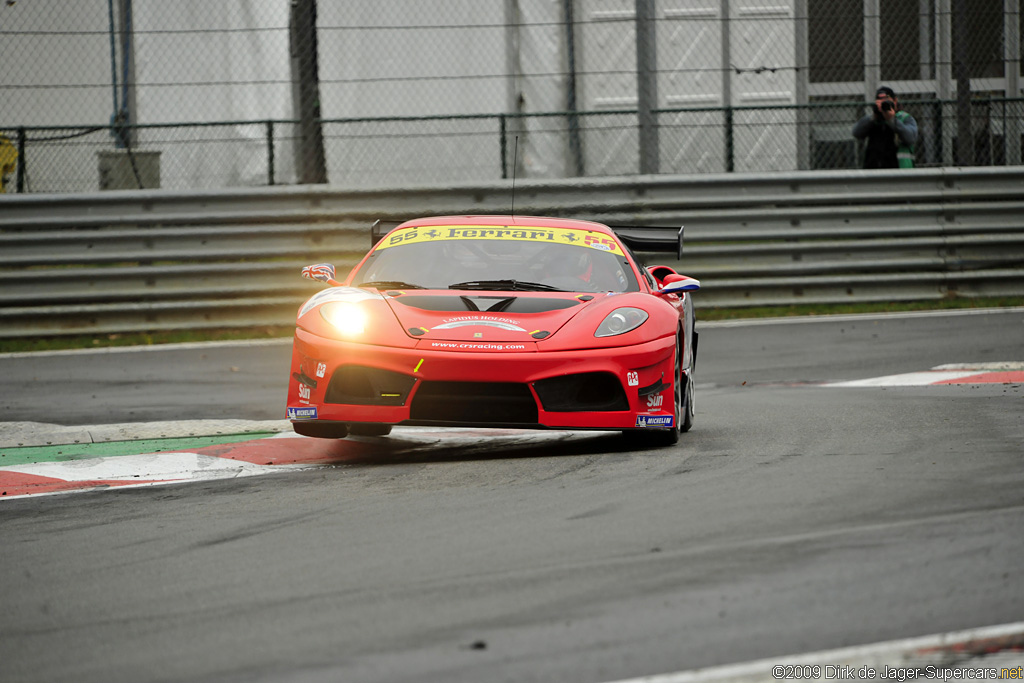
(730, 164)
(502, 126)
(270, 152)
(1011, 71)
(19, 183)
(962, 74)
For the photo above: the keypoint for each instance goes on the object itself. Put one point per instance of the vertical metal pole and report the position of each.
(270, 152)
(311, 161)
(727, 85)
(513, 68)
(943, 79)
(123, 118)
(575, 146)
(961, 72)
(1011, 69)
(925, 38)
(19, 181)
(113, 58)
(647, 85)
(872, 48)
(129, 106)
(803, 113)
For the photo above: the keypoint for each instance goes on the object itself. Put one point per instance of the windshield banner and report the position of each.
(582, 238)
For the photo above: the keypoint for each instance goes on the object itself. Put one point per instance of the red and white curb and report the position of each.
(995, 652)
(256, 456)
(954, 373)
(225, 461)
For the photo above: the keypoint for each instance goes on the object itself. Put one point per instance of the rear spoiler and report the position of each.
(381, 228)
(652, 238)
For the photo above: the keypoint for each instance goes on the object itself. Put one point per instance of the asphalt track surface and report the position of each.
(795, 517)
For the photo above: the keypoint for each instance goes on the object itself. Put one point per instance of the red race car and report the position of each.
(498, 321)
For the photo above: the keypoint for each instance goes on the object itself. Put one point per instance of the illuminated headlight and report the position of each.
(620, 321)
(348, 318)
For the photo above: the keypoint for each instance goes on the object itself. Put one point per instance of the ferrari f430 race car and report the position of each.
(498, 321)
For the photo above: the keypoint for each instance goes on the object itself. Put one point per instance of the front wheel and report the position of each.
(682, 402)
(687, 407)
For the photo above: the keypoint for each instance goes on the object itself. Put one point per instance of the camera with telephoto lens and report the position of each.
(887, 106)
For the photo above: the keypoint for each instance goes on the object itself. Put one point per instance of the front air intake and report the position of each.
(497, 403)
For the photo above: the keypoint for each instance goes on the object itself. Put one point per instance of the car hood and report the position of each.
(492, 316)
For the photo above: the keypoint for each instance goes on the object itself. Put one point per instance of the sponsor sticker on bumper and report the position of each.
(655, 420)
(304, 413)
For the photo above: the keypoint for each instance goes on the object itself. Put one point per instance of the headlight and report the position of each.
(620, 321)
(347, 318)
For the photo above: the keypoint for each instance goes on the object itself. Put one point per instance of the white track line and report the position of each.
(915, 653)
(909, 379)
(940, 373)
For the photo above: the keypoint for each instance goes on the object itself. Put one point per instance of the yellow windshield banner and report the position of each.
(442, 233)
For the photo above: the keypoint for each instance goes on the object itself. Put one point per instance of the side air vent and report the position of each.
(358, 385)
(583, 392)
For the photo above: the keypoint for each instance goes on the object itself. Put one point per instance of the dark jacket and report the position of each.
(890, 144)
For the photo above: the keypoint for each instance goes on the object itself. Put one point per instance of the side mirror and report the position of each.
(321, 272)
(674, 284)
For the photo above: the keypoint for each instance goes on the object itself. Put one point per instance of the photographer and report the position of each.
(889, 131)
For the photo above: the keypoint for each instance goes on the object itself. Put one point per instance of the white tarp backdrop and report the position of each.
(415, 91)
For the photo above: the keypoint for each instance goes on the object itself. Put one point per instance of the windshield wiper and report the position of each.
(388, 284)
(505, 285)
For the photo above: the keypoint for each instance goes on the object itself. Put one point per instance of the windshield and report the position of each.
(499, 258)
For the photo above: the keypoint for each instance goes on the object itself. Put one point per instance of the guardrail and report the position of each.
(156, 260)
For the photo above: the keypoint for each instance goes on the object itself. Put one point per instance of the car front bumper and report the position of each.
(466, 384)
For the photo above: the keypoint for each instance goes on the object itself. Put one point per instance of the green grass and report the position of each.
(285, 331)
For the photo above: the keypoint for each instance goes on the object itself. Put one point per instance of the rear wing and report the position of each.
(652, 238)
(381, 228)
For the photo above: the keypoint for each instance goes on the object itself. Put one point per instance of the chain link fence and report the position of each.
(120, 94)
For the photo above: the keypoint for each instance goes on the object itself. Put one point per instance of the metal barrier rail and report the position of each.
(149, 260)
